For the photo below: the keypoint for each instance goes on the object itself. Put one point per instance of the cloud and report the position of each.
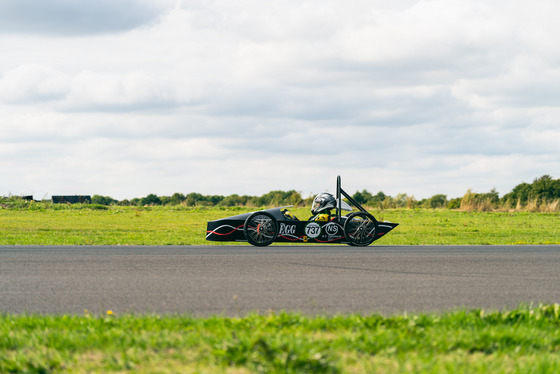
(71, 18)
(416, 96)
(132, 91)
(527, 83)
(31, 83)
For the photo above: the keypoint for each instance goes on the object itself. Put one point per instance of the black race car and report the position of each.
(279, 225)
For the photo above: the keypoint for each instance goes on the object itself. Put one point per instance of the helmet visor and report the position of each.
(317, 202)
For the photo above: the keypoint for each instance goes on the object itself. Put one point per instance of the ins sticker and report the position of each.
(331, 228)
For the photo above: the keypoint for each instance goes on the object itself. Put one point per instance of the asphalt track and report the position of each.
(235, 280)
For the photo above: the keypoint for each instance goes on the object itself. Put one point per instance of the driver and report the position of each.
(322, 206)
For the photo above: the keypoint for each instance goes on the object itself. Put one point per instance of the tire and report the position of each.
(261, 229)
(360, 229)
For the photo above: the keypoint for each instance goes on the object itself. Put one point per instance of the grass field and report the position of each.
(524, 340)
(83, 225)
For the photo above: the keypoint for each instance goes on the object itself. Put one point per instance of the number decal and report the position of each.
(313, 230)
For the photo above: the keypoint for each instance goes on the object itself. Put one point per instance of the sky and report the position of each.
(124, 98)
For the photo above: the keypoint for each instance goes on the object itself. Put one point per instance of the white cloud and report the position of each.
(131, 91)
(30, 83)
(422, 97)
(528, 83)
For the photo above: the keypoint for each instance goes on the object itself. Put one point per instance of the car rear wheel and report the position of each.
(261, 229)
(360, 229)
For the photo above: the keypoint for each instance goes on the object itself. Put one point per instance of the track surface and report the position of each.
(234, 280)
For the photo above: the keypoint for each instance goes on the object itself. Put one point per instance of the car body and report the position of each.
(264, 227)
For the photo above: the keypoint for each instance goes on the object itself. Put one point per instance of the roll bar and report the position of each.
(339, 192)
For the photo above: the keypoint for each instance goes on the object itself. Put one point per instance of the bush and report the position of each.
(436, 201)
(543, 190)
(103, 200)
(480, 201)
(454, 203)
(151, 199)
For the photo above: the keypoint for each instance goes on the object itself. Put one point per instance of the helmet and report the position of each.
(322, 202)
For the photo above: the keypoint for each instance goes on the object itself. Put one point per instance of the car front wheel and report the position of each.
(261, 229)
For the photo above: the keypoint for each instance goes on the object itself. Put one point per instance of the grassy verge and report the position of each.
(523, 340)
(90, 225)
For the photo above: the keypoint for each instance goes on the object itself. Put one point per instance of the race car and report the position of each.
(267, 226)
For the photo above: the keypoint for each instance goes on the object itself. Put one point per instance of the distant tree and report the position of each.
(543, 189)
(364, 197)
(436, 201)
(493, 196)
(401, 200)
(378, 198)
(103, 200)
(215, 199)
(192, 198)
(151, 199)
(165, 200)
(293, 197)
(234, 200)
(473, 201)
(359, 197)
(176, 199)
(271, 198)
(277, 197)
(454, 203)
(520, 194)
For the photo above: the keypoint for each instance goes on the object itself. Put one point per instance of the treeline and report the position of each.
(542, 194)
(291, 197)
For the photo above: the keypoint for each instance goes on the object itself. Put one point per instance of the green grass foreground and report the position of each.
(97, 225)
(524, 340)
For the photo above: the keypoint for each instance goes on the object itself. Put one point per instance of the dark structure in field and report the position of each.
(71, 199)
